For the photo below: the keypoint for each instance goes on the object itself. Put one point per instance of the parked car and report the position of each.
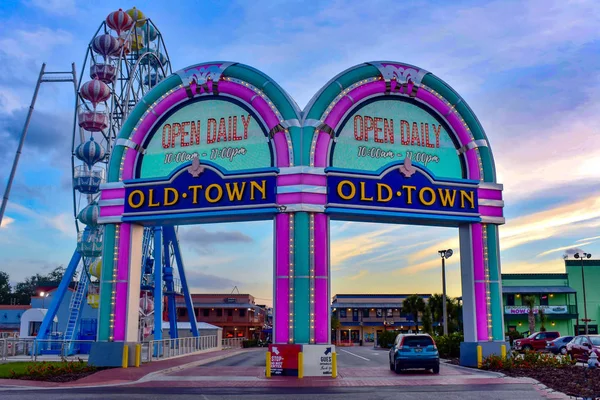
(535, 341)
(582, 346)
(559, 345)
(414, 351)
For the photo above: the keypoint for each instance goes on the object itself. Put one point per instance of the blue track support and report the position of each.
(158, 294)
(59, 295)
(186, 291)
(170, 287)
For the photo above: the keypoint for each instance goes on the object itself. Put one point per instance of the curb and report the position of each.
(144, 378)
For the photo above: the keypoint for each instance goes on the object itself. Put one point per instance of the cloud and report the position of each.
(361, 274)
(55, 7)
(199, 280)
(568, 249)
(6, 221)
(62, 222)
(202, 241)
(362, 244)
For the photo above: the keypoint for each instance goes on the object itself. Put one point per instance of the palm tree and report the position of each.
(413, 305)
(529, 301)
(435, 305)
(427, 323)
(543, 318)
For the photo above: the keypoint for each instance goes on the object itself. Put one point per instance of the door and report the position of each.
(539, 341)
(355, 315)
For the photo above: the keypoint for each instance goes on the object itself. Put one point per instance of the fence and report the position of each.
(16, 349)
(232, 343)
(155, 350)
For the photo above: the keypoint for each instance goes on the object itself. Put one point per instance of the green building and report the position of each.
(552, 294)
(591, 277)
(559, 295)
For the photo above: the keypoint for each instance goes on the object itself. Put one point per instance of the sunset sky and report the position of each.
(529, 70)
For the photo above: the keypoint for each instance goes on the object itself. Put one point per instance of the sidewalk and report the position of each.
(120, 376)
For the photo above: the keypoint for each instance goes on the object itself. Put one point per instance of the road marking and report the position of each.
(355, 355)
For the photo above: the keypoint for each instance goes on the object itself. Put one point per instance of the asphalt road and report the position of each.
(449, 392)
(365, 356)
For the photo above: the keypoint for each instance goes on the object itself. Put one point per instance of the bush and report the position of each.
(249, 343)
(529, 360)
(386, 339)
(45, 371)
(514, 335)
(449, 346)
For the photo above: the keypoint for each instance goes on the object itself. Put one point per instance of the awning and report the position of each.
(537, 289)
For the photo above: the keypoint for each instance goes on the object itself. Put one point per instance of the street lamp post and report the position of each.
(582, 256)
(43, 295)
(444, 254)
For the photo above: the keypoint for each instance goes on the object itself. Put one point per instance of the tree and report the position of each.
(543, 318)
(427, 324)
(5, 289)
(335, 325)
(24, 291)
(529, 301)
(413, 305)
(435, 305)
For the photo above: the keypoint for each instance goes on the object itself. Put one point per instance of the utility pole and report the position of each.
(43, 77)
(444, 254)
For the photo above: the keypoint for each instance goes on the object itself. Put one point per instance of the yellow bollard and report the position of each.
(138, 355)
(125, 361)
(479, 356)
(334, 365)
(503, 352)
(268, 370)
(300, 365)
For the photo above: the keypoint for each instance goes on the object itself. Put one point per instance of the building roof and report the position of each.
(535, 276)
(537, 289)
(587, 262)
(379, 296)
(366, 305)
(187, 325)
(221, 305)
(15, 307)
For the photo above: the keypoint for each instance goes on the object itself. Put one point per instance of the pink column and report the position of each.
(479, 278)
(321, 279)
(282, 281)
(122, 284)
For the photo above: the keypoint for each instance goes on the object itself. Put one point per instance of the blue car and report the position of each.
(559, 345)
(414, 351)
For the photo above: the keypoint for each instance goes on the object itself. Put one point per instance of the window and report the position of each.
(206, 312)
(182, 312)
(510, 299)
(220, 312)
(417, 341)
(379, 313)
(365, 312)
(343, 313)
(389, 313)
(242, 312)
(230, 313)
(544, 300)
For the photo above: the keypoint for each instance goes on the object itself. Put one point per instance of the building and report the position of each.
(237, 314)
(552, 293)
(587, 271)
(560, 295)
(10, 319)
(363, 316)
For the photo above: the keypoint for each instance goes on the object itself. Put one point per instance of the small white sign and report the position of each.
(317, 359)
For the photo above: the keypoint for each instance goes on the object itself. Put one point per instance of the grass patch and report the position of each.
(58, 371)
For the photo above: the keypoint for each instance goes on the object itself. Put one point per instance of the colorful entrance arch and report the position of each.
(381, 142)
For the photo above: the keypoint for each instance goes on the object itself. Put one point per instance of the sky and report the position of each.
(529, 70)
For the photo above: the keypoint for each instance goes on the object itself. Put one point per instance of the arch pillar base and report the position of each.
(468, 351)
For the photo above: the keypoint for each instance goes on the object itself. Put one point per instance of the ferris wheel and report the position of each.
(124, 60)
